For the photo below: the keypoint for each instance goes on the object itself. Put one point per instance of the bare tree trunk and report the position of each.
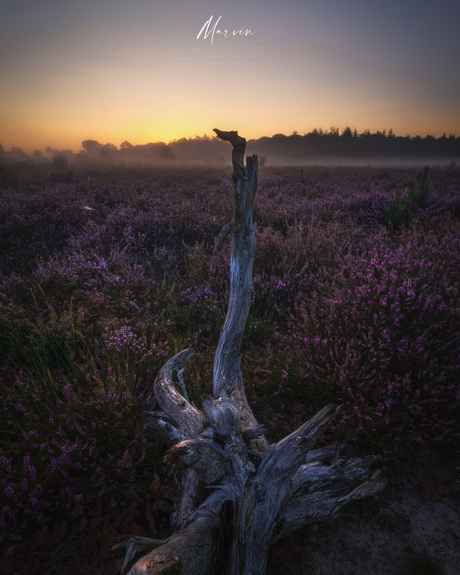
(237, 494)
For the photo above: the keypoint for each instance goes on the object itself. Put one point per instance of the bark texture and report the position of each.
(237, 494)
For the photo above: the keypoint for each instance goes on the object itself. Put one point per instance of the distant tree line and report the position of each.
(315, 146)
(349, 145)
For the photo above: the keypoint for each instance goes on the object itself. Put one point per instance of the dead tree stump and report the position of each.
(237, 493)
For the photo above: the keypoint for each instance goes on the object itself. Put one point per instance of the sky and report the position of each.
(136, 70)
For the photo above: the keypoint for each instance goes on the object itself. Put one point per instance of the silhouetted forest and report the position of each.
(318, 146)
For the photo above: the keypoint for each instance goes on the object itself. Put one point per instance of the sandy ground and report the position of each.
(418, 517)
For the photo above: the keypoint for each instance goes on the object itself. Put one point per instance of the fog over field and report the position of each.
(346, 148)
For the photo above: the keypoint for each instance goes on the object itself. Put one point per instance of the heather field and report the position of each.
(106, 276)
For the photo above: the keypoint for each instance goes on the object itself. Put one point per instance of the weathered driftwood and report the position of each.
(237, 494)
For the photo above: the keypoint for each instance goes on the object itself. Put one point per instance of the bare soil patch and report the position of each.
(417, 517)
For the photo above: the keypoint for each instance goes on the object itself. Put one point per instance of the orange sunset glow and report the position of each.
(114, 71)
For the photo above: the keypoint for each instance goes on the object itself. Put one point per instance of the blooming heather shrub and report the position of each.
(104, 279)
(280, 292)
(381, 335)
(68, 302)
(134, 357)
(286, 265)
(35, 222)
(123, 286)
(75, 439)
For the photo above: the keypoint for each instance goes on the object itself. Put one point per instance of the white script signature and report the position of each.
(210, 30)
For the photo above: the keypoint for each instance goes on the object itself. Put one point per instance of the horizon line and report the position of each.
(320, 132)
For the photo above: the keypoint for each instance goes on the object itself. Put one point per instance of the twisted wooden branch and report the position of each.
(187, 419)
(238, 494)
